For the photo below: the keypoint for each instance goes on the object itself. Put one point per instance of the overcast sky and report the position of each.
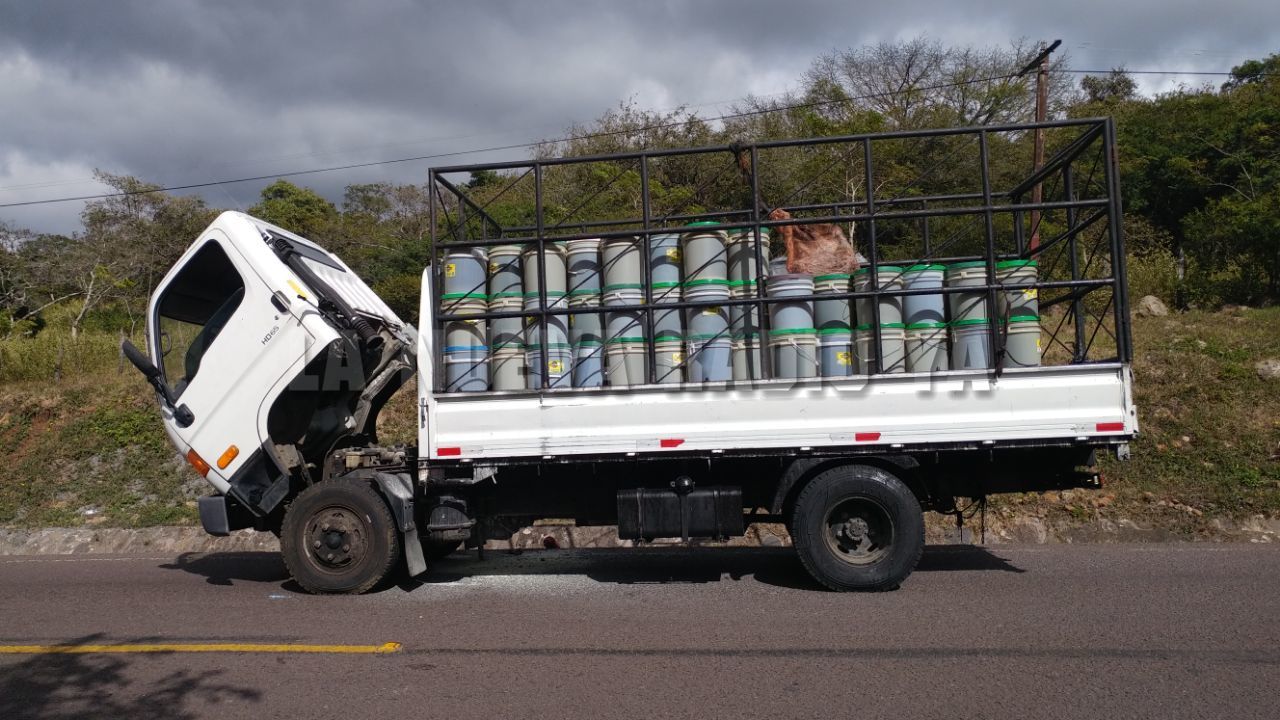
(178, 91)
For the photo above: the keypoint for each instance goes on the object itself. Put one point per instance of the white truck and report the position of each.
(271, 360)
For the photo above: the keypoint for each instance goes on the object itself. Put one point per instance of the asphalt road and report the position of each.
(1006, 632)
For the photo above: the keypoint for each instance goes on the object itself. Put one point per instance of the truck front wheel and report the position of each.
(339, 537)
(857, 527)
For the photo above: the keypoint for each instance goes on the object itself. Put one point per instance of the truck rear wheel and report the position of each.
(857, 527)
(339, 537)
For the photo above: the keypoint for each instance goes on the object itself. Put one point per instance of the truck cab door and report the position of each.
(225, 345)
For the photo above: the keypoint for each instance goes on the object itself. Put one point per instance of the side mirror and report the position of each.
(143, 363)
(181, 413)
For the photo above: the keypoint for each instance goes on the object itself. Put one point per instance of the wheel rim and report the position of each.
(858, 530)
(337, 538)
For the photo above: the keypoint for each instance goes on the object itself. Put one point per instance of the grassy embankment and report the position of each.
(89, 449)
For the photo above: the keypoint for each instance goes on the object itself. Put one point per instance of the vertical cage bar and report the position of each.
(540, 248)
(873, 257)
(764, 324)
(651, 343)
(1119, 263)
(1077, 305)
(996, 343)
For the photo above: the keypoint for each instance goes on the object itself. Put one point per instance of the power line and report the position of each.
(1155, 72)
(515, 146)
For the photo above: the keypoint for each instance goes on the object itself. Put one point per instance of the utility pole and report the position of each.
(1041, 65)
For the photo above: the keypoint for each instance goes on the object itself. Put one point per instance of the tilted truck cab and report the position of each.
(269, 353)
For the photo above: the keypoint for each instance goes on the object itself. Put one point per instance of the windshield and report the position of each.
(192, 312)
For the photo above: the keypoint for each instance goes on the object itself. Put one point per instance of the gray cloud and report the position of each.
(178, 92)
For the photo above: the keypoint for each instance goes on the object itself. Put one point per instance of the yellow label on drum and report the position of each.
(493, 268)
(844, 358)
(677, 358)
(713, 310)
(1029, 294)
(555, 366)
(1038, 348)
(673, 254)
(450, 270)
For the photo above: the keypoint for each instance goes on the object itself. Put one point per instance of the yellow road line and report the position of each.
(198, 648)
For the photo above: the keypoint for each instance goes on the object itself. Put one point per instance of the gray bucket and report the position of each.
(664, 260)
(555, 257)
(889, 278)
(893, 349)
(668, 358)
(748, 360)
(744, 320)
(559, 366)
(626, 363)
(667, 323)
(790, 313)
(463, 304)
(465, 271)
(971, 344)
(465, 333)
(621, 262)
(710, 359)
(505, 277)
(835, 352)
(583, 258)
(624, 325)
(508, 367)
(1018, 303)
(586, 328)
(588, 365)
(504, 331)
(927, 347)
(795, 353)
(466, 368)
(557, 333)
(832, 314)
(710, 320)
(967, 305)
(778, 265)
(1022, 342)
(742, 254)
(704, 253)
(923, 308)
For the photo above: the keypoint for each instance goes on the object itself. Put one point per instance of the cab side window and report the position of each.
(193, 310)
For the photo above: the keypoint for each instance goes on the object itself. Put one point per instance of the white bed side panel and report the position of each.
(1045, 403)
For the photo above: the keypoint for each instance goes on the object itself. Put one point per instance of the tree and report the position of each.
(1116, 86)
(297, 209)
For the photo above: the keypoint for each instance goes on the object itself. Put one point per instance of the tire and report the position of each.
(339, 537)
(857, 527)
(434, 550)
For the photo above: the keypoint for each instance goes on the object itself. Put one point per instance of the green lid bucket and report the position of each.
(1007, 264)
(882, 268)
(967, 264)
(970, 322)
(925, 268)
(891, 326)
(929, 325)
(1024, 319)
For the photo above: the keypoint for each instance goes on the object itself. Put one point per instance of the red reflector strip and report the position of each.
(447, 452)
(670, 442)
(1110, 427)
(866, 437)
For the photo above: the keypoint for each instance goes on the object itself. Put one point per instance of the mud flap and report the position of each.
(398, 491)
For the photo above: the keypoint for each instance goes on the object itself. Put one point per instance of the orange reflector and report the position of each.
(227, 456)
(198, 463)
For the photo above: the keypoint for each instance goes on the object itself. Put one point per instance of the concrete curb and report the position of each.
(938, 530)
